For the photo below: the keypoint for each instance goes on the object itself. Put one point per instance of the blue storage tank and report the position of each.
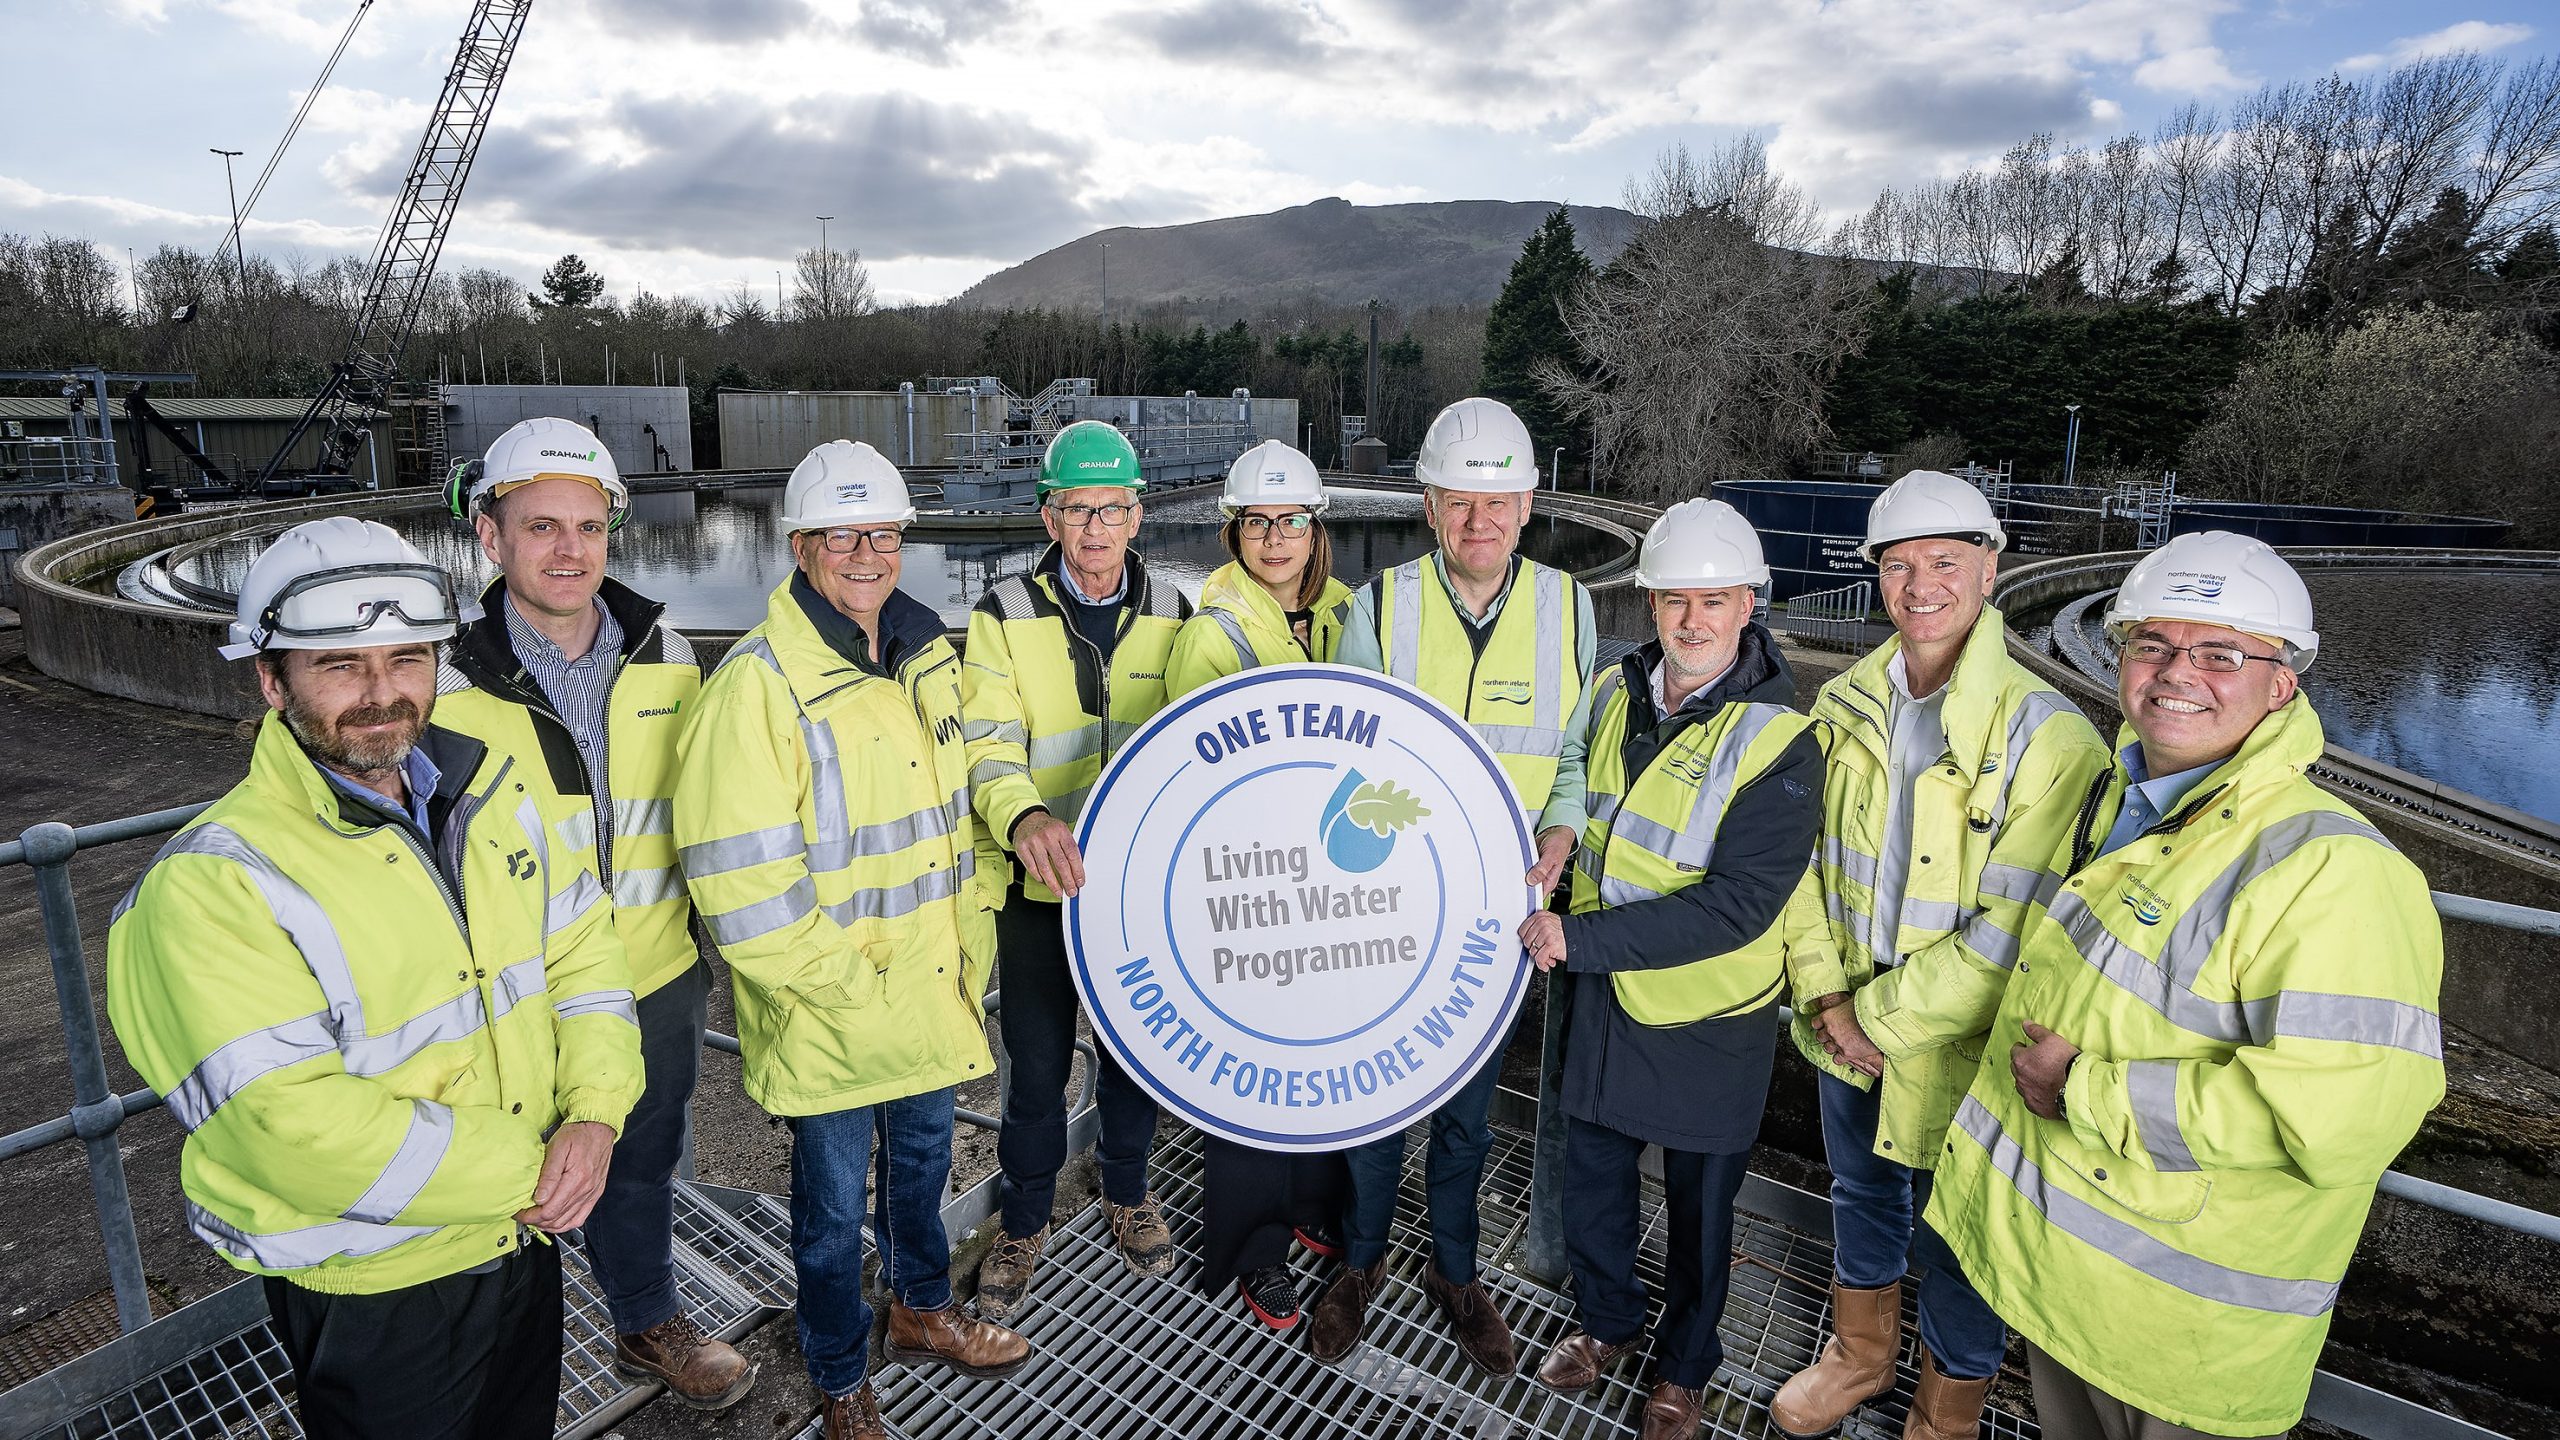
(1809, 529)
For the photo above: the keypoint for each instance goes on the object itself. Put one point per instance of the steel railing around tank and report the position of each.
(97, 1111)
(1835, 619)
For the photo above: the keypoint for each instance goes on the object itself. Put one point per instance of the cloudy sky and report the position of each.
(688, 145)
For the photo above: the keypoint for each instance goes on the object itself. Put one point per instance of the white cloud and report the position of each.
(2476, 35)
(2200, 70)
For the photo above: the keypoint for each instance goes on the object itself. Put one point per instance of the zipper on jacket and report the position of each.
(2084, 847)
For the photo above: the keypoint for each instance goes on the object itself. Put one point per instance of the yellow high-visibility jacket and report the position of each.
(365, 1086)
(1044, 709)
(1990, 827)
(2252, 984)
(1651, 835)
(1521, 692)
(485, 691)
(1238, 626)
(822, 820)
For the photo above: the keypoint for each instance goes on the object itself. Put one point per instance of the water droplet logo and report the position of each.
(1359, 823)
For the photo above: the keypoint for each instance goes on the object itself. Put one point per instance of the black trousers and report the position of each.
(1601, 1228)
(467, 1357)
(1251, 1199)
(1038, 1023)
(630, 1233)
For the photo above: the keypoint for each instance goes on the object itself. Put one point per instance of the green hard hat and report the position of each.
(1089, 452)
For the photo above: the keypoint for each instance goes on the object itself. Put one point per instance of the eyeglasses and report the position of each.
(884, 541)
(1077, 517)
(1257, 526)
(2209, 658)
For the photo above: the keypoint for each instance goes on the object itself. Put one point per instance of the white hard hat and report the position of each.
(2214, 577)
(1701, 545)
(845, 482)
(343, 581)
(1273, 473)
(1929, 502)
(544, 448)
(1477, 444)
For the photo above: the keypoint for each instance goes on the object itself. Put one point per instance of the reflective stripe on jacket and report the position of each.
(1648, 837)
(366, 1063)
(1044, 708)
(822, 821)
(1990, 829)
(1238, 626)
(2253, 985)
(485, 691)
(1520, 691)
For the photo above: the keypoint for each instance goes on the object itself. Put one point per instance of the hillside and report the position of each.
(1445, 252)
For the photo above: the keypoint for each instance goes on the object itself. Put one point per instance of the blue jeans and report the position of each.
(1452, 1172)
(1875, 1237)
(629, 1232)
(831, 1160)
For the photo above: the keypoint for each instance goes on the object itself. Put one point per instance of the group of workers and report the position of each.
(2114, 1046)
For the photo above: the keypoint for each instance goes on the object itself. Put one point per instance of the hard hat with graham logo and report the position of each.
(1089, 452)
(1478, 444)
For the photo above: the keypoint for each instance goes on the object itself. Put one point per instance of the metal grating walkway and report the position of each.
(1117, 1356)
(732, 1268)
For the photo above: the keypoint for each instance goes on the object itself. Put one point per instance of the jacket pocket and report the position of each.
(2172, 1197)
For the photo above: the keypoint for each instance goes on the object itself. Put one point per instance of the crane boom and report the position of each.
(404, 259)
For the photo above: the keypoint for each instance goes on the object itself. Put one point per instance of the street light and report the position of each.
(2071, 445)
(239, 250)
(826, 276)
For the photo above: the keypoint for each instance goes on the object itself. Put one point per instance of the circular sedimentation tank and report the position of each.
(135, 610)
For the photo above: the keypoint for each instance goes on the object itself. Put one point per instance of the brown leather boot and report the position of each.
(852, 1417)
(1575, 1364)
(697, 1370)
(1855, 1367)
(1945, 1408)
(1145, 1241)
(1672, 1412)
(1482, 1334)
(1006, 1272)
(952, 1336)
(1343, 1311)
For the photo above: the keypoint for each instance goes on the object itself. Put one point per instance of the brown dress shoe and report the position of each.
(1945, 1408)
(1575, 1364)
(952, 1336)
(1482, 1334)
(1006, 1273)
(699, 1371)
(1343, 1310)
(1672, 1412)
(1854, 1368)
(1146, 1244)
(852, 1417)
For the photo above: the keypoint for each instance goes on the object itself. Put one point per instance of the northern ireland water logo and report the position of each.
(2196, 586)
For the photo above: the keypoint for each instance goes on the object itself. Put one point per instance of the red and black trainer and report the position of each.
(1320, 1240)
(1271, 1293)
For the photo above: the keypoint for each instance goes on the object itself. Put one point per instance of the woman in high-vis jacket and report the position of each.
(1277, 604)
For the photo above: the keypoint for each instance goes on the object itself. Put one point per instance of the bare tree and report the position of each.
(830, 285)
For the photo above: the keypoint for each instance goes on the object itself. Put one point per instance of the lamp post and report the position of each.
(826, 270)
(239, 248)
(2071, 444)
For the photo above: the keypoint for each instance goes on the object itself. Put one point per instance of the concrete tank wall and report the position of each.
(633, 421)
(34, 515)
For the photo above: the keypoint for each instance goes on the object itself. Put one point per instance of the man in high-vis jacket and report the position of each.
(1064, 665)
(572, 673)
(2222, 1029)
(387, 1004)
(1704, 791)
(822, 820)
(1508, 644)
(1952, 781)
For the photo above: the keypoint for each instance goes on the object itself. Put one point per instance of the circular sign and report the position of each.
(1301, 887)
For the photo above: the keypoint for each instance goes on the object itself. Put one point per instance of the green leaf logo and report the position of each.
(1381, 809)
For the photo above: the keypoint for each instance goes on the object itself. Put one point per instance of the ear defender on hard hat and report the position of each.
(466, 477)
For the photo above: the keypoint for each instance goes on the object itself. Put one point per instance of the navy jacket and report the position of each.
(1696, 1087)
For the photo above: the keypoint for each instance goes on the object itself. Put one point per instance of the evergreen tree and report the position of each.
(1527, 325)
(569, 284)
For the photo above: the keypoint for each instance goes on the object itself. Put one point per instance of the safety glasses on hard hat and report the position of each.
(350, 601)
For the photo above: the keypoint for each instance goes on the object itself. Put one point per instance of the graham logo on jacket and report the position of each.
(2147, 904)
(656, 711)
